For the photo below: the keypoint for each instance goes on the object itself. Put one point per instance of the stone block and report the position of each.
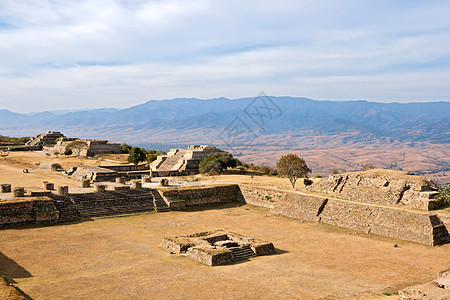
(6, 188)
(121, 180)
(164, 182)
(136, 184)
(48, 186)
(99, 187)
(146, 178)
(119, 188)
(63, 190)
(19, 192)
(85, 183)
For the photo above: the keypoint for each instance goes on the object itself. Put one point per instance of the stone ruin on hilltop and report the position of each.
(181, 161)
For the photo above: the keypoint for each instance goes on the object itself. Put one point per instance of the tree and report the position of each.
(444, 194)
(212, 167)
(136, 155)
(292, 167)
(152, 157)
(125, 148)
(225, 160)
(77, 147)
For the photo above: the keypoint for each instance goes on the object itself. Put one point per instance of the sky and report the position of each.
(58, 54)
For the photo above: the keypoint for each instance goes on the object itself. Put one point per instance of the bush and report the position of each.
(444, 194)
(224, 159)
(68, 152)
(136, 155)
(307, 181)
(56, 167)
(125, 148)
(318, 176)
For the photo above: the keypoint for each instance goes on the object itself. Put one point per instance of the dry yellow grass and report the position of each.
(117, 258)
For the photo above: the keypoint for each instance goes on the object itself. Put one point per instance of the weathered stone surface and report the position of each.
(48, 186)
(99, 187)
(180, 198)
(6, 188)
(146, 178)
(403, 224)
(118, 188)
(28, 211)
(378, 186)
(135, 184)
(121, 180)
(217, 247)
(63, 190)
(436, 289)
(85, 183)
(19, 192)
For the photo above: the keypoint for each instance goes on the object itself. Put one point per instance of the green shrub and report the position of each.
(307, 181)
(56, 167)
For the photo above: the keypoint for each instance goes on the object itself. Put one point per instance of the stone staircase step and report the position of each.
(242, 253)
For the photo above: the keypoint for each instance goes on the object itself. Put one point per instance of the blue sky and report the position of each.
(117, 53)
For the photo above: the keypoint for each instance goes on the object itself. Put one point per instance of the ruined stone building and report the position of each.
(93, 147)
(181, 161)
(44, 139)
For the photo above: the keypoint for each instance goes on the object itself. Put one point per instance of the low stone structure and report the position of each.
(181, 161)
(136, 184)
(217, 247)
(63, 190)
(121, 180)
(19, 192)
(385, 187)
(85, 183)
(95, 174)
(436, 289)
(48, 186)
(99, 187)
(6, 188)
(92, 148)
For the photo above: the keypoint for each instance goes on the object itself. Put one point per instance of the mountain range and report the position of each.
(284, 123)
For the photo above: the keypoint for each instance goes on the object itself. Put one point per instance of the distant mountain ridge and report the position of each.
(407, 122)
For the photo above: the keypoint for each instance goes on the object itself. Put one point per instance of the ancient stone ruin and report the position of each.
(93, 147)
(217, 247)
(181, 161)
(436, 289)
(44, 139)
(385, 187)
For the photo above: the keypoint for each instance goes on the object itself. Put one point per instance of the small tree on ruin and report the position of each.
(292, 167)
(77, 147)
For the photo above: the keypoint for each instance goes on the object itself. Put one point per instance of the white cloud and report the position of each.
(119, 53)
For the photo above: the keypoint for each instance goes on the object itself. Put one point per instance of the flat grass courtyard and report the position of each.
(119, 258)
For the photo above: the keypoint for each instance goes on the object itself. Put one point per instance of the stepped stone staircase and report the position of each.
(158, 201)
(243, 253)
(170, 163)
(112, 203)
(66, 209)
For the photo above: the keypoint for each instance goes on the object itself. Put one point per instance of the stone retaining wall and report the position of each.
(38, 211)
(180, 198)
(420, 227)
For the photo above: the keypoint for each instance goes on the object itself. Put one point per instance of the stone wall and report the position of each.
(128, 168)
(38, 210)
(180, 198)
(420, 227)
